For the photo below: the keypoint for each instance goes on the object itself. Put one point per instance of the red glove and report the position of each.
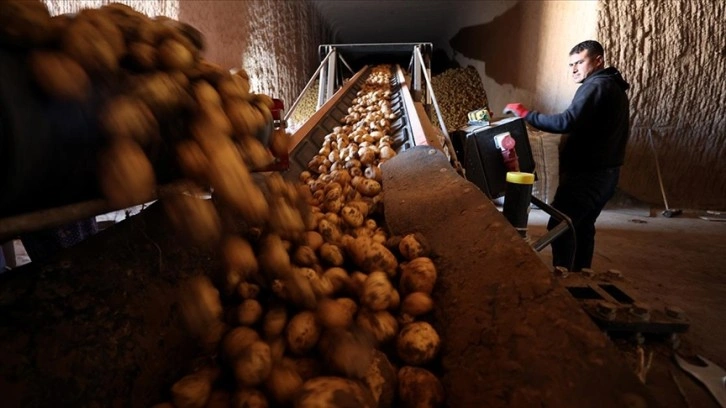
(517, 109)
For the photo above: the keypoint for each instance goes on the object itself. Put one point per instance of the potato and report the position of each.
(367, 156)
(387, 152)
(349, 304)
(205, 94)
(239, 258)
(192, 160)
(418, 275)
(331, 254)
(59, 76)
(333, 206)
(249, 398)
(273, 258)
(381, 379)
(232, 181)
(357, 280)
(362, 232)
(219, 399)
(320, 286)
(380, 325)
(249, 312)
(417, 343)
(280, 144)
(255, 153)
(247, 290)
(395, 300)
(333, 392)
(372, 256)
(277, 349)
(25, 23)
(419, 388)
(237, 340)
(108, 29)
(333, 218)
(199, 304)
(417, 304)
(352, 216)
(209, 339)
(313, 239)
(347, 352)
(338, 277)
(377, 291)
(305, 256)
(194, 218)
(332, 313)
(282, 384)
(306, 367)
(246, 119)
(302, 332)
(274, 322)
(413, 246)
(174, 55)
(126, 175)
(285, 219)
(143, 56)
(192, 391)
(253, 365)
(85, 44)
(161, 92)
(300, 290)
(373, 172)
(371, 224)
(211, 119)
(329, 231)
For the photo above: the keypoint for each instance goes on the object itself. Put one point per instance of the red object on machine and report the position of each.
(282, 159)
(505, 142)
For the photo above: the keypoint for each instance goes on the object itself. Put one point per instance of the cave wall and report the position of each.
(674, 55)
(274, 41)
(521, 49)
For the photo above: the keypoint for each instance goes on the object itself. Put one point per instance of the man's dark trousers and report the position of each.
(581, 196)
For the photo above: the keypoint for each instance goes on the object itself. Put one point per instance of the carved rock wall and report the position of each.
(674, 55)
(274, 41)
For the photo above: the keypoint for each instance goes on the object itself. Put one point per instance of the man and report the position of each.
(597, 128)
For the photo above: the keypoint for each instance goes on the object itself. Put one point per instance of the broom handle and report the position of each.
(657, 168)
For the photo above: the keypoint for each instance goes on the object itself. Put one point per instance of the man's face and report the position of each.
(582, 65)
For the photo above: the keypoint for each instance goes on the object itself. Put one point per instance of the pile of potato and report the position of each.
(326, 309)
(305, 108)
(458, 92)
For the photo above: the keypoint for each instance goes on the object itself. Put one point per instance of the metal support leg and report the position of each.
(565, 223)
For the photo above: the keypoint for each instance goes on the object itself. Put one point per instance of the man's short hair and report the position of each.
(593, 48)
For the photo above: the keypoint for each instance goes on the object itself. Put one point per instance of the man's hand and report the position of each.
(517, 109)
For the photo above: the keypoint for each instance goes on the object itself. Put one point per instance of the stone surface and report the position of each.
(276, 42)
(674, 55)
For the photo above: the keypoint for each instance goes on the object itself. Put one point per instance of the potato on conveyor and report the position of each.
(59, 76)
(333, 392)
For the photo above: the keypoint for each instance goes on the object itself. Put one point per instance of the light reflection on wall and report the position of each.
(152, 8)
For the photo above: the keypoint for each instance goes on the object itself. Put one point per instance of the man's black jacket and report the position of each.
(597, 123)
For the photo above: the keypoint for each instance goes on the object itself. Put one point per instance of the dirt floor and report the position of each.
(676, 261)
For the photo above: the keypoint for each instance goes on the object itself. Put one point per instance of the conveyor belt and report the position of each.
(406, 130)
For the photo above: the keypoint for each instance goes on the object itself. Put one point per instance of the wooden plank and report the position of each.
(512, 336)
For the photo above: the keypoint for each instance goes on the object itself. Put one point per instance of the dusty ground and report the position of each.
(678, 261)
